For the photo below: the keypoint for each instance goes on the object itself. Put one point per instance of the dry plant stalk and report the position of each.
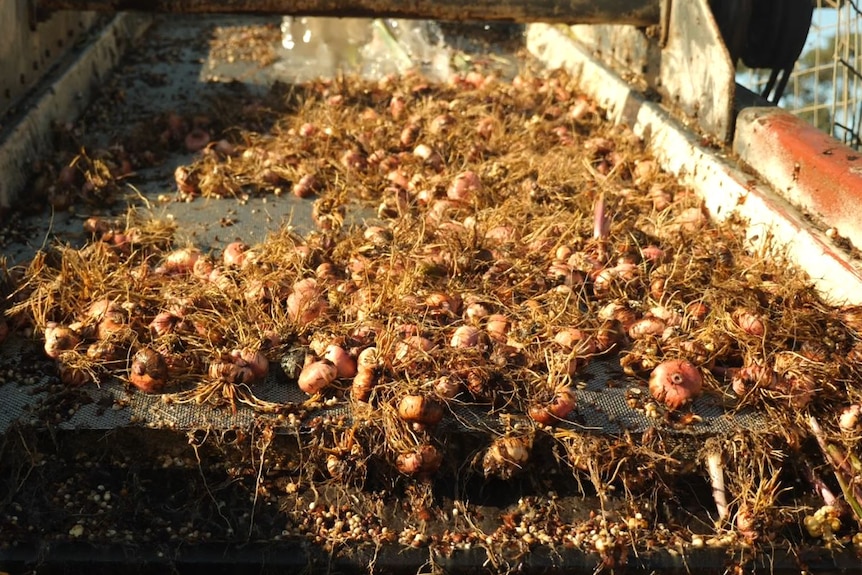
(518, 239)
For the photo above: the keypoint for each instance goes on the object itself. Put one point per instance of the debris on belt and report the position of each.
(519, 250)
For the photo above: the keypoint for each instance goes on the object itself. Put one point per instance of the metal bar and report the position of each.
(634, 12)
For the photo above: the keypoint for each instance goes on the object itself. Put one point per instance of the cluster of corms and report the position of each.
(96, 176)
(514, 246)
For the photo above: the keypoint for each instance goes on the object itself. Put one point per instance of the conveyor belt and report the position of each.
(602, 406)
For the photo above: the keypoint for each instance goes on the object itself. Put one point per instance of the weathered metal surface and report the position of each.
(27, 53)
(808, 167)
(29, 137)
(697, 74)
(725, 188)
(683, 57)
(635, 12)
(627, 49)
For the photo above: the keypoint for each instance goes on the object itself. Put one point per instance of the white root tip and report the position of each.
(716, 480)
(600, 219)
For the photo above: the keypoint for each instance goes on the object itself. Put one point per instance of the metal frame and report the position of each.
(62, 94)
(685, 60)
(28, 51)
(634, 12)
(697, 73)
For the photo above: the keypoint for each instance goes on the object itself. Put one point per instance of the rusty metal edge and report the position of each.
(635, 12)
(725, 187)
(61, 97)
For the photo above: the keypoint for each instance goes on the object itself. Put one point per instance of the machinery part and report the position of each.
(65, 90)
(765, 34)
(733, 18)
(777, 32)
(635, 12)
(790, 21)
(28, 53)
(697, 73)
(687, 62)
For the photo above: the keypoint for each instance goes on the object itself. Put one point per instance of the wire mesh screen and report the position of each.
(826, 86)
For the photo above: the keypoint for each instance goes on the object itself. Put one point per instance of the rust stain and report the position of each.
(821, 169)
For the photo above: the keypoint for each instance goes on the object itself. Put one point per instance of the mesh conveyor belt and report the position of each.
(601, 397)
(602, 406)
